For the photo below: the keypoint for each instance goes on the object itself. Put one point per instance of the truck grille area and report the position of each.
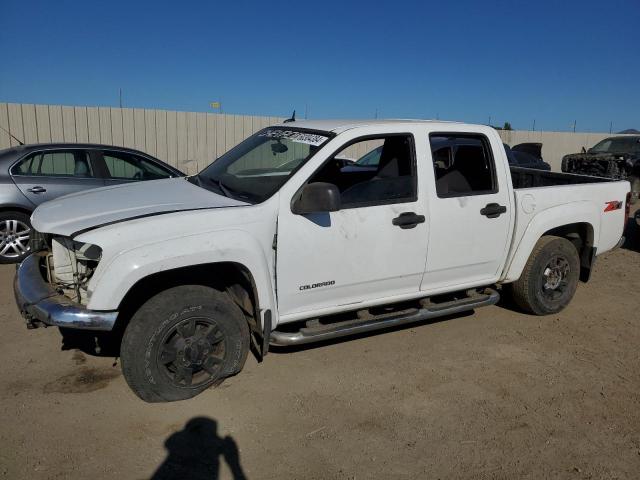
(39, 242)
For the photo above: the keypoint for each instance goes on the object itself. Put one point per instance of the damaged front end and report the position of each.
(70, 266)
(52, 285)
(618, 166)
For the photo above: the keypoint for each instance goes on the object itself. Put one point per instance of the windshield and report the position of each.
(617, 145)
(257, 167)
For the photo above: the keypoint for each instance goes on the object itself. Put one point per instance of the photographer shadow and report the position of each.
(195, 451)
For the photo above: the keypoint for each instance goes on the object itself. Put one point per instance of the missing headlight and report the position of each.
(73, 265)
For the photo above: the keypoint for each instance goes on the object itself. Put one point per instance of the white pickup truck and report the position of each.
(280, 242)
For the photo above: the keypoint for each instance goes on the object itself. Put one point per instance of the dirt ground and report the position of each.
(493, 394)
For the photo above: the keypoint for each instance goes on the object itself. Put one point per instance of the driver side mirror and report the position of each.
(317, 198)
(584, 150)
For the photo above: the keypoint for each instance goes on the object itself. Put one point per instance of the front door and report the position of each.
(373, 248)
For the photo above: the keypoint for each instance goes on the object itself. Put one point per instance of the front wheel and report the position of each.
(181, 342)
(15, 228)
(550, 277)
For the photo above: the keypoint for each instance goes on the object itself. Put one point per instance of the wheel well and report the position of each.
(230, 277)
(581, 235)
(16, 209)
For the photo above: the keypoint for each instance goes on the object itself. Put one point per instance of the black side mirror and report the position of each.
(317, 198)
(584, 150)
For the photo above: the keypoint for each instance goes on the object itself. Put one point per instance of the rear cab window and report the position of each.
(463, 164)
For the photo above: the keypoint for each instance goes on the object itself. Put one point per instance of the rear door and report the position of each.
(470, 209)
(124, 167)
(48, 174)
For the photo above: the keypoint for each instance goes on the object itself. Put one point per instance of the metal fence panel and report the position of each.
(190, 140)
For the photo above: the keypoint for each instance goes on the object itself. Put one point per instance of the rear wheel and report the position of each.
(181, 342)
(550, 277)
(15, 228)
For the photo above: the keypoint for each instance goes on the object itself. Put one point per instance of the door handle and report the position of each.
(37, 189)
(493, 210)
(408, 220)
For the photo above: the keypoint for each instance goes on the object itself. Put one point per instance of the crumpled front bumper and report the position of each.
(40, 303)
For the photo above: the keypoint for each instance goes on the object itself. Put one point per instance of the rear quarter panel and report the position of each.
(539, 210)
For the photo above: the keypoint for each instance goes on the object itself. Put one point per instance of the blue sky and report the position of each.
(554, 62)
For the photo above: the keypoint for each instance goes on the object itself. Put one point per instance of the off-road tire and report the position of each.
(144, 340)
(528, 291)
(635, 189)
(24, 219)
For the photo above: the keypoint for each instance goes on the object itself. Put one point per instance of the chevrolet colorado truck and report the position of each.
(613, 157)
(275, 243)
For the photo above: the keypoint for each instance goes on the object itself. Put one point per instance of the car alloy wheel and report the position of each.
(14, 239)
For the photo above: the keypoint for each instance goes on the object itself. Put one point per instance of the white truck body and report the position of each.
(368, 260)
(284, 241)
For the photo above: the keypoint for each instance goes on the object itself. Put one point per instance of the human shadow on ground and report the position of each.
(194, 453)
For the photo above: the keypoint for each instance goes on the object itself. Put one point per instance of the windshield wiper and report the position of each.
(228, 191)
(218, 184)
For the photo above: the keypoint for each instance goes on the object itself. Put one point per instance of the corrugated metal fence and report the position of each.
(187, 140)
(191, 140)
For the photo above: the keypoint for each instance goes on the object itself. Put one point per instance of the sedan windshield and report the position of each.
(617, 145)
(256, 168)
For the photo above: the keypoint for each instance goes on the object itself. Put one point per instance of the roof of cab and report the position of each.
(339, 126)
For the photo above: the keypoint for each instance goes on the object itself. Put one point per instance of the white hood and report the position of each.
(92, 208)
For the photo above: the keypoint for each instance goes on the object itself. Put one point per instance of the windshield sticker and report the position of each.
(297, 137)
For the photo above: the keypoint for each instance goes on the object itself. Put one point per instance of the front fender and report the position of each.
(115, 276)
(542, 222)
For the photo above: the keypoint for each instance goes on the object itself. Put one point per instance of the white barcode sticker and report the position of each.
(297, 137)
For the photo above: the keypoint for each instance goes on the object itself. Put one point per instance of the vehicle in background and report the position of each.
(613, 157)
(526, 155)
(194, 269)
(33, 174)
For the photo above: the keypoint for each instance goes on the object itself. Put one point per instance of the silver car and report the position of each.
(33, 174)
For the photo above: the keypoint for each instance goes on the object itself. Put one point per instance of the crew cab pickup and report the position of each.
(276, 243)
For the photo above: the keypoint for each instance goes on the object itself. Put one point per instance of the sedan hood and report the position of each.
(83, 211)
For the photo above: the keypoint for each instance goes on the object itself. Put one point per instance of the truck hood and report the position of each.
(89, 209)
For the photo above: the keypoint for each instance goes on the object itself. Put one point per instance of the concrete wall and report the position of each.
(191, 140)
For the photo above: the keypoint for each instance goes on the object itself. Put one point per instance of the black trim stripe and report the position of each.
(166, 212)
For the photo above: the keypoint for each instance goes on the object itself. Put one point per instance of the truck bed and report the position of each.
(576, 198)
(530, 178)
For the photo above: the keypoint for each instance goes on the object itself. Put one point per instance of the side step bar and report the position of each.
(356, 326)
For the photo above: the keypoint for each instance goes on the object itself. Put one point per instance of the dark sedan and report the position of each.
(33, 174)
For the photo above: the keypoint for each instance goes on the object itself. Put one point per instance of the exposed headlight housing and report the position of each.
(71, 266)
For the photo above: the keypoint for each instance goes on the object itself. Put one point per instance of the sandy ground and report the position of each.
(493, 394)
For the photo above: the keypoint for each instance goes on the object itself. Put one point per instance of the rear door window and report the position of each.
(463, 165)
(55, 163)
